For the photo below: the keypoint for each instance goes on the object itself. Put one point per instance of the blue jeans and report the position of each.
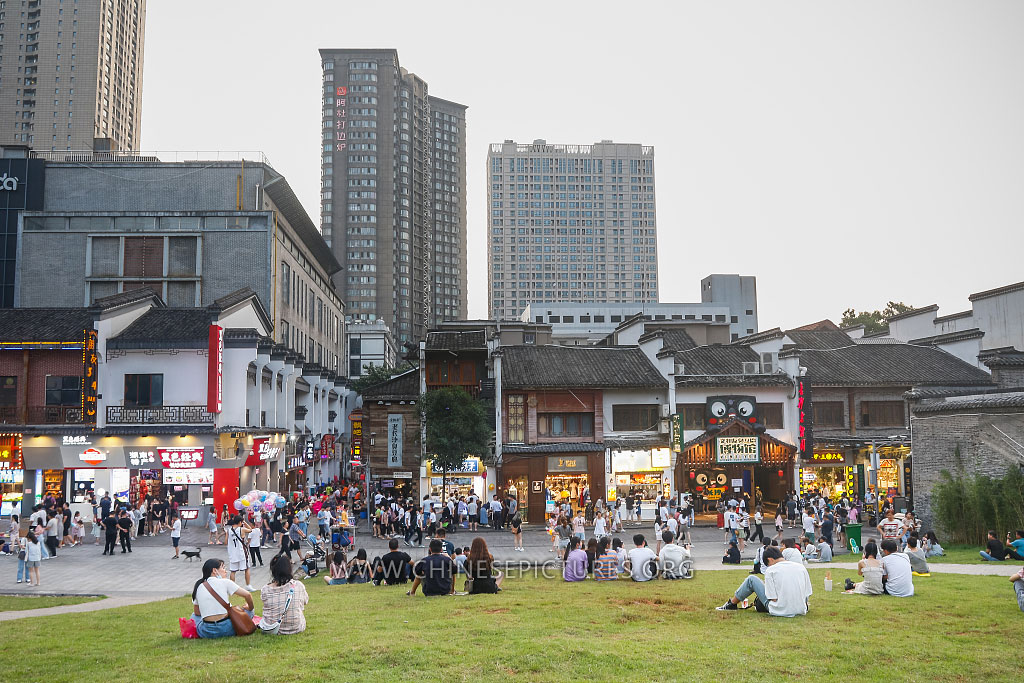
(46, 551)
(219, 629)
(22, 571)
(986, 556)
(1018, 586)
(752, 585)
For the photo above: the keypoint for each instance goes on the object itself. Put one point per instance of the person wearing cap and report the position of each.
(238, 555)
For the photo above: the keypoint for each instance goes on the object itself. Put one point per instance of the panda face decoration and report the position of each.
(718, 409)
(745, 408)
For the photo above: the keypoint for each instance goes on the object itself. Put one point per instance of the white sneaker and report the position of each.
(19, 581)
(249, 588)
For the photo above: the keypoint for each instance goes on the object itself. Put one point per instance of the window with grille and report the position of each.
(882, 414)
(771, 415)
(635, 418)
(516, 418)
(8, 391)
(691, 415)
(143, 391)
(63, 390)
(829, 414)
(144, 257)
(565, 424)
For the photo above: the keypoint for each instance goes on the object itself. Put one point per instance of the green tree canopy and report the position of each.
(874, 321)
(376, 374)
(457, 426)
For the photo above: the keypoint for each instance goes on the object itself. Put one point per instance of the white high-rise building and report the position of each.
(570, 223)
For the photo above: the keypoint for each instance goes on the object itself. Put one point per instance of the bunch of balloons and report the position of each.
(265, 501)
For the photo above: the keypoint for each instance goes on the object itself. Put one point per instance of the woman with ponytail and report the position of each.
(209, 615)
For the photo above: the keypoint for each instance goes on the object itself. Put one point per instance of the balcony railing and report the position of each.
(161, 415)
(41, 415)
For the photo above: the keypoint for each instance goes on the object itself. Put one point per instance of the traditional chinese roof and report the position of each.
(997, 291)
(563, 447)
(566, 367)
(456, 341)
(402, 387)
(167, 328)
(995, 402)
(889, 365)
(54, 325)
(739, 423)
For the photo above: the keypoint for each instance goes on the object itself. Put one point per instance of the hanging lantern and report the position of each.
(693, 475)
(781, 474)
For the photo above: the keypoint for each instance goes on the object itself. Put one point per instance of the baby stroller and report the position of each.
(316, 552)
(339, 538)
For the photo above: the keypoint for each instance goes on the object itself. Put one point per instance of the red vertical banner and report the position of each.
(215, 376)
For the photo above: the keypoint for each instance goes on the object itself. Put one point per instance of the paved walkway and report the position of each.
(148, 573)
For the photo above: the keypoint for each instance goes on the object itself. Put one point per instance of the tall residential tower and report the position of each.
(84, 56)
(393, 205)
(570, 223)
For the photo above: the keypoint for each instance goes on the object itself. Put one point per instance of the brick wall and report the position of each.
(32, 388)
(983, 443)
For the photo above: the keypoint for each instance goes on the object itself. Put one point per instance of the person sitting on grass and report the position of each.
(823, 552)
(481, 576)
(732, 555)
(790, 552)
(674, 559)
(871, 569)
(931, 545)
(1018, 586)
(1015, 548)
(643, 563)
(916, 556)
(435, 572)
(783, 593)
(575, 568)
(606, 567)
(393, 567)
(996, 552)
(210, 617)
(338, 569)
(897, 576)
(284, 598)
(620, 553)
(447, 547)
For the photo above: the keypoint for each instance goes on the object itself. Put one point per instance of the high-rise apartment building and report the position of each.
(570, 223)
(84, 56)
(393, 205)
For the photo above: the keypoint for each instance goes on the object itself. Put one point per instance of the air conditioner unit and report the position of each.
(666, 410)
(680, 368)
(751, 368)
(663, 426)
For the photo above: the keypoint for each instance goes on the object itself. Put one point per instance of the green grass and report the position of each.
(13, 603)
(966, 554)
(547, 630)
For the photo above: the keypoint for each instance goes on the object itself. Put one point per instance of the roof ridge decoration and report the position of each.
(988, 293)
(913, 312)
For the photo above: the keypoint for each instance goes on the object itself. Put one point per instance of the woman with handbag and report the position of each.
(211, 609)
(284, 599)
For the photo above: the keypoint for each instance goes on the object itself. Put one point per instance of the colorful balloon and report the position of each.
(238, 504)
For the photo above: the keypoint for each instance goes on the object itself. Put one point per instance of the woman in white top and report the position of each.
(871, 569)
(209, 615)
(33, 556)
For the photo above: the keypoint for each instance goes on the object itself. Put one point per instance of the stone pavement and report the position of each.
(149, 574)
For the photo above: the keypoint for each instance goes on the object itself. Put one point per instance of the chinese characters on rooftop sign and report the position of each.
(340, 134)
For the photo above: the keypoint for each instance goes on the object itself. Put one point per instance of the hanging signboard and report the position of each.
(733, 449)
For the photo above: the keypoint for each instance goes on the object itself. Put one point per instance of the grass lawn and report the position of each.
(12, 603)
(966, 554)
(547, 630)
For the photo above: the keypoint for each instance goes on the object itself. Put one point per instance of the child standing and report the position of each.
(255, 541)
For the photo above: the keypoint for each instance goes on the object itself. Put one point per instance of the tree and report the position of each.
(874, 321)
(457, 425)
(377, 374)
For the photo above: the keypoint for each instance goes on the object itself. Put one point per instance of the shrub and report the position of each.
(967, 506)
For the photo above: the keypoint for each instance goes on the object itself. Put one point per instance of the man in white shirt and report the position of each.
(674, 560)
(730, 525)
(897, 577)
(808, 523)
(673, 525)
(175, 534)
(640, 559)
(784, 591)
(790, 552)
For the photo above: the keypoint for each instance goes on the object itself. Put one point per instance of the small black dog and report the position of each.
(192, 554)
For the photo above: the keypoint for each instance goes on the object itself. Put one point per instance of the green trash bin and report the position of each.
(853, 537)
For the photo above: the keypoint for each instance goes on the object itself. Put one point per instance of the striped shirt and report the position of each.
(606, 568)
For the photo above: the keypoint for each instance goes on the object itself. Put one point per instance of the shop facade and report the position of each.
(469, 478)
(644, 474)
(543, 476)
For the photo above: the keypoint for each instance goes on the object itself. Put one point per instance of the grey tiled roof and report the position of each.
(565, 367)
(738, 380)
(128, 297)
(949, 337)
(984, 401)
(166, 328)
(456, 341)
(889, 365)
(996, 292)
(716, 359)
(823, 334)
(44, 324)
(913, 312)
(403, 387)
(564, 447)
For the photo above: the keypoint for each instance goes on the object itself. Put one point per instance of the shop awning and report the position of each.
(570, 447)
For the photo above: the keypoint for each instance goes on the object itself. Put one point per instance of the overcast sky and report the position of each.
(844, 153)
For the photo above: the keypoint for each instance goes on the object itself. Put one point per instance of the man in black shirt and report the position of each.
(124, 528)
(392, 567)
(105, 504)
(434, 572)
(109, 524)
(996, 552)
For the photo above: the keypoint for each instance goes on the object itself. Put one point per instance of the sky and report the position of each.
(845, 153)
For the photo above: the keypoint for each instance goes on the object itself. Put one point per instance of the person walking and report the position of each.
(66, 521)
(758, 529)
(517, 533)
(779, 522)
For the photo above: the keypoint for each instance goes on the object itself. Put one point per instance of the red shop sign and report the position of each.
(181, 458)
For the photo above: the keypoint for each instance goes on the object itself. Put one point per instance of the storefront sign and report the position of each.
(120, 483)
(326, 446)
(888, 474)
(90, 368)
(394, 440)
(558, 463)
(837, 458)
(660, 457)
(188, 514)
(732, 449)
(92, 456)
(357, 437)
(181, 458)
(806, 409)
(402, 475)
(631, 461)
(537, 486)
(215, 370)
(81, 440)
(468, 466)
(141, 458)
(11, 476)
(200, 475)
(296, 462)
(677, 433)
(452, 481)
